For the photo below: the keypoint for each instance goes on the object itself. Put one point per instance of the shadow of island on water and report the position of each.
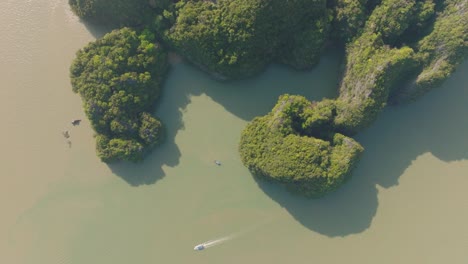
(169, 109)
(245, 99)
(97, 30)
(252, 97)
(151, 169)
(435, 124)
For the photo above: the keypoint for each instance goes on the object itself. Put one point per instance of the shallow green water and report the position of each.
(406, 202)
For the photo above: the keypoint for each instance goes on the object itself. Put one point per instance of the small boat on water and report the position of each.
(76, 122)
(217, 162)
(199, 247)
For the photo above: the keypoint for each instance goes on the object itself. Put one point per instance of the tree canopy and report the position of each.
(118, 13)
(440, 51)
(396, 50)
(237, 38)
(295, 144)
(119, 79)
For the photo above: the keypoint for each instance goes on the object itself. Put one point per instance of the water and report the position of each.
(215, 242)
(406, 203)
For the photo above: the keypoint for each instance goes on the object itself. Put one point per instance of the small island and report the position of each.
(119, 78)
(296, 144)
(395, 51)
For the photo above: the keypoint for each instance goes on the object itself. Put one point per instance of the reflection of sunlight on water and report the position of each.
(22, 30)
(15, 34)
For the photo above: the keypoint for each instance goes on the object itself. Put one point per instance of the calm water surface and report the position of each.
(406, 202)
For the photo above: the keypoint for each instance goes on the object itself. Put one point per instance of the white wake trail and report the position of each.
(218, 241)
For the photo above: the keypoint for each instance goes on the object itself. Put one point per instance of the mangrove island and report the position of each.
(395, 51)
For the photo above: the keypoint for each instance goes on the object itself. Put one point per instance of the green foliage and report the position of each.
(237, 38)
(150, 130)
(303, 49)
(373, 68)
(116, 149)
(318, 119)
(390, 19)
(119, 78)
(118, 12)
(419, 25)
(299, 143)
(278, 146)
(348, 19)
(441, 51)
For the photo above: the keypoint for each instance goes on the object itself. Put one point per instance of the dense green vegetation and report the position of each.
(373, 66)
(377, 63)
(371, 72)
(119, 78)
(237, 38)
(281, 146)
(118, 13)
(440, 51)
(395, 51)
(349, 17)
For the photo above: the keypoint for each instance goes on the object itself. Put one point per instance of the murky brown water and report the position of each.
(406, 203)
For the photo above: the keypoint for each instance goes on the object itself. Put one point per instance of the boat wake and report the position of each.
(218, 241)
(212, 243)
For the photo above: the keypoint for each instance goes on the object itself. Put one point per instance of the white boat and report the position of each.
(199, 247)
